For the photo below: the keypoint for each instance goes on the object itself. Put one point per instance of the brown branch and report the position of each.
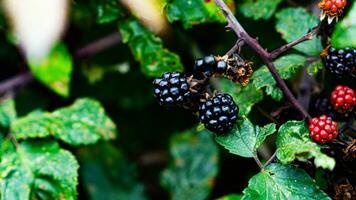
(284, 48)
(264, 55)
(98, 46)
(95, 47)
(15, 82)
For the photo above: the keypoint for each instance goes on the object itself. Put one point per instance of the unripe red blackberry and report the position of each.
(340, 61)
(171, 89)
(322, 129)
(323, 107)
(332, 8)
(343, 99)
(219, 114)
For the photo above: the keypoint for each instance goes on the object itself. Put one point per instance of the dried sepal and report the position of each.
(350, 151)
(239, 70)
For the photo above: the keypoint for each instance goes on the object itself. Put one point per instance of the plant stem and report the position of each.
(15, 82)
(264, 55)
(235, 48)
(257, 160)
(98, 45)
(274, 54)
(270, 159)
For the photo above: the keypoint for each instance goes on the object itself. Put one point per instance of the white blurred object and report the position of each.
(37, 24)
(150, 13)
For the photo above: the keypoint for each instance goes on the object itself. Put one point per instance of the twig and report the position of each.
(264, 55)
(260, 165)
(235, 48)
(98, 46)
(95, 47)
(270, 159)
(268, 116)
(288, 46)
(15, 82)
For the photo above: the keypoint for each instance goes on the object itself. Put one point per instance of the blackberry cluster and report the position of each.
(219, 114)
(171, 89)
(209, 65)
(340, 62)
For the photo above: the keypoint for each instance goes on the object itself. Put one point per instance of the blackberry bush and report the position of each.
(250, 93)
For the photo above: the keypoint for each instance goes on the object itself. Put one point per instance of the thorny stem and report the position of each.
(264, 55)
(95, 47)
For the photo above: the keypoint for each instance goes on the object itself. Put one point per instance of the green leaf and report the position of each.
(148, 49)
(246, 97)
(259, 9)
(274, 92)
(54, 71)
(195, 12)
(85, 122)
(231, 197)
(38, 170)
(245, 140)
(293, 142)
(294, 23)
(315, 67)
(345, 31)
(193, 167)
(109, 177)
(108, 11)
(7, 112)
(287, 67)
(279, 182)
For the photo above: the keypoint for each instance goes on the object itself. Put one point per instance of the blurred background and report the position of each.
(53, 52)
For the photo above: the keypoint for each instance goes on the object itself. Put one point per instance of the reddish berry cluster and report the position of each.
(332, 7)
(323, 129)
(343, 99)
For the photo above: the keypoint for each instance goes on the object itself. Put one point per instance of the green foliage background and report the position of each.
(91, 129)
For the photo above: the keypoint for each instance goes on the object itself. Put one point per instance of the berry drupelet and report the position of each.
(219, 114)
(322, 129)
(171, 89)
(209, 66)
(343, 99)
(340, 61)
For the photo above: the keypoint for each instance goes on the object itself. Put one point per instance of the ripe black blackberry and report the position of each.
(219, 114)
(340, 61)
(171, 89)
(209, 66)
(205, 65)
(323, 107)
